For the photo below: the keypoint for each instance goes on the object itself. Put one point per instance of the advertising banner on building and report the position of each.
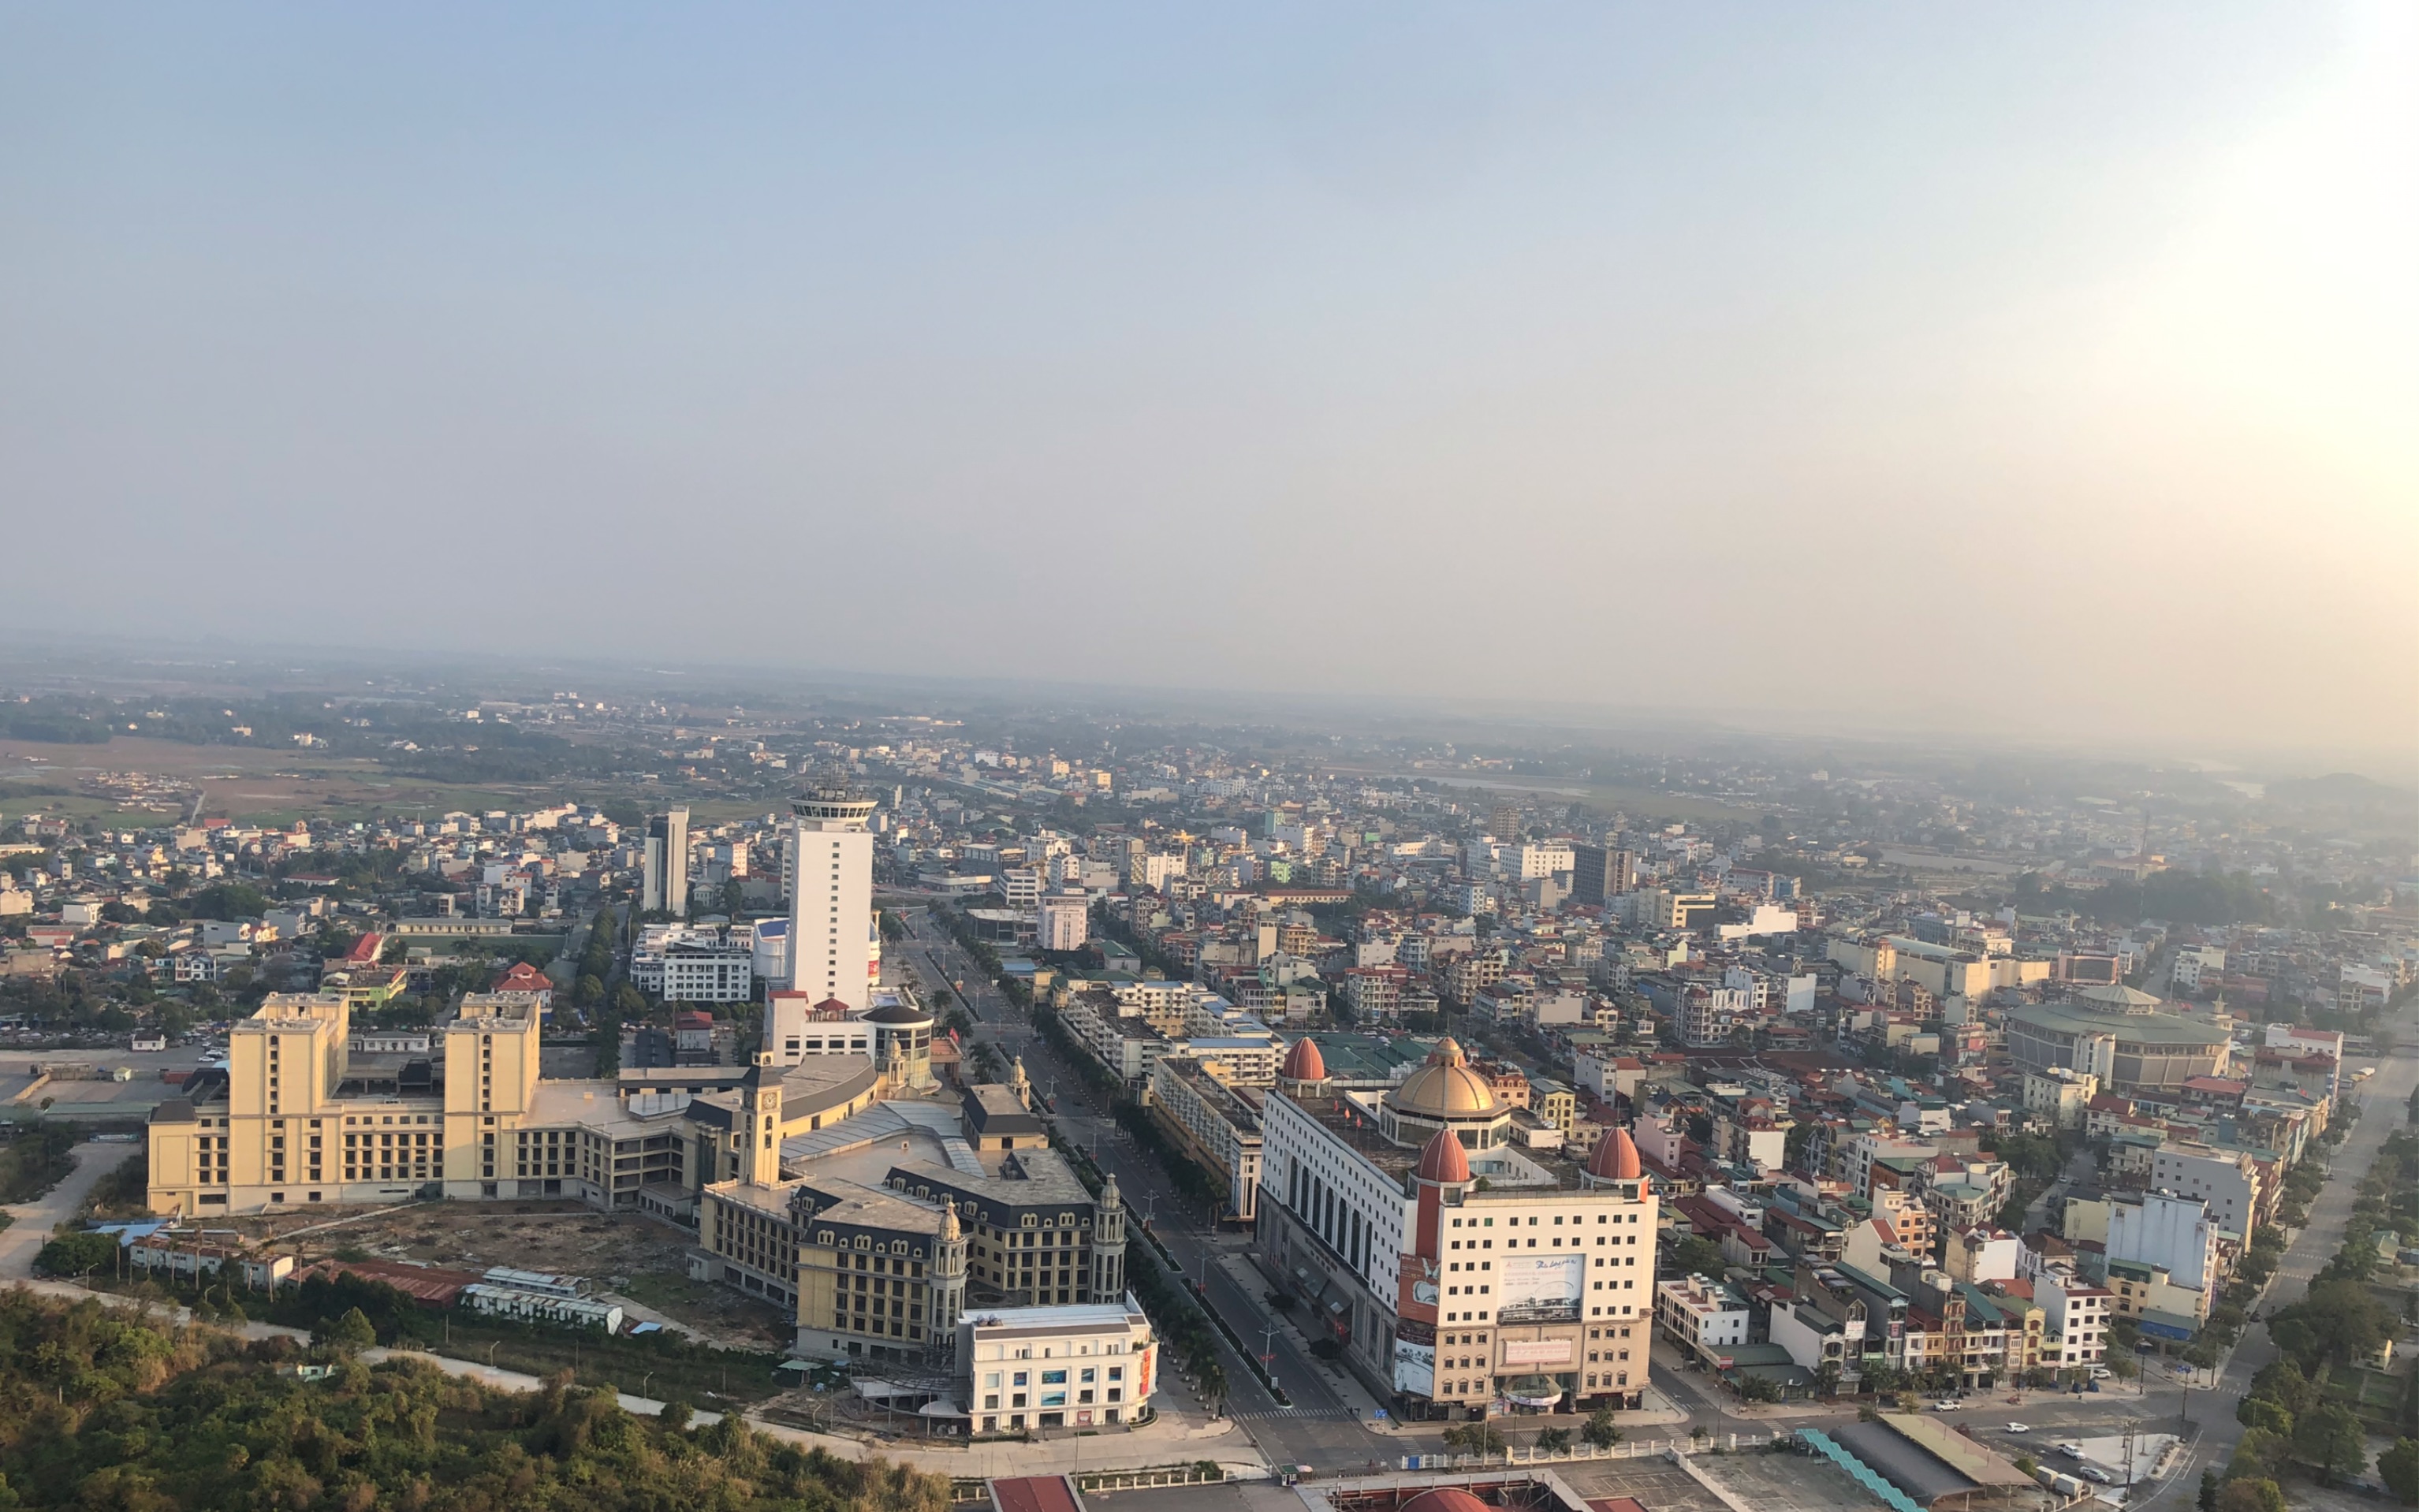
(1415, 1361)
(1541, 1288)
(1538, 1351)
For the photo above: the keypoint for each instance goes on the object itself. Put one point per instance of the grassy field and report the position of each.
(665, 1293)
(242, 783)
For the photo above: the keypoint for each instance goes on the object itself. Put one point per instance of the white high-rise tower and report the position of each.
(665, 888)
(831, 894)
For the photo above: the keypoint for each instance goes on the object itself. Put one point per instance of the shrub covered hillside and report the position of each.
(103, 1409)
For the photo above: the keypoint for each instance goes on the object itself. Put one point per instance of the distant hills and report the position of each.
(2349, 790)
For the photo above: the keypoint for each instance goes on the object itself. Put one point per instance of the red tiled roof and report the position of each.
(425, 1285)
(1035, 1493)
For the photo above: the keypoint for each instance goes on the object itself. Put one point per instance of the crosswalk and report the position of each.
(1300, 1414)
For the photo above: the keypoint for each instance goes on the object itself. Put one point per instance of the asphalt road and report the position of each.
(32, 1222)
(1321, 1428)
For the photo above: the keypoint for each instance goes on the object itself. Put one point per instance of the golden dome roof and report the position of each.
(1445, 1088)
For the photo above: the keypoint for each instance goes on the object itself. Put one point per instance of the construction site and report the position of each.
(640, 1263)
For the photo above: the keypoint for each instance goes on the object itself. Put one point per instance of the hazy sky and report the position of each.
(2047, 368)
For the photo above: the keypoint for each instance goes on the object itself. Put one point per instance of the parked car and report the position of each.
(2101, 1372)
(2093, 1473)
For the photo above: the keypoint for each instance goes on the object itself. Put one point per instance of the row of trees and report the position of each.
(2288, 1421)
(1483, 1437)
(2339, 1322)
(2288, 1417)
(1183, 1323)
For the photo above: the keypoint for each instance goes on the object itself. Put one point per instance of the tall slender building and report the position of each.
(831, 894)
(948, 1289)
(666, 887)
(1109, 1245)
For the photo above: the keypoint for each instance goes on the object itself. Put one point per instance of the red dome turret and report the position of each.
(1443, 1160)
(1615, 1157)
(1304, 1063)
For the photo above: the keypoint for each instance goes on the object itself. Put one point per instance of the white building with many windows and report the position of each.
(1089, 1364)
(1218, 1126)
(833, 950)
(1708, 1318)
(1443, 1294)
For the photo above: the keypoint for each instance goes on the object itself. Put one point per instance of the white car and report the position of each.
(2071, 1451)
(2101, 1372)
(2019, 1427)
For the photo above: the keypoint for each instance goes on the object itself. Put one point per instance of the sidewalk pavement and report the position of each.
(1659, 1412)
(1242, 1267)
(31, 1223)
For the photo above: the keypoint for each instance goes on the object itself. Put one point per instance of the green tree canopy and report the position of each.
(2399, 1467)
(227, 901)
(2256, 1494)
(2330, 1441)
(1601, 1431)
(75, 1253)
(2259, 1412)
(349, 1334)
(106, 1410)
(2337, 1320)
(1698, 1257)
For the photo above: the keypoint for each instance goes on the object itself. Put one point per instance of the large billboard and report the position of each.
(1541, 1288)
(1415, 1360)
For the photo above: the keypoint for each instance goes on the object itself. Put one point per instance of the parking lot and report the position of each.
(1785, 1482)
(1659, 1484)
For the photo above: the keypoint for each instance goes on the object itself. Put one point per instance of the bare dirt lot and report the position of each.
(632, 1260)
